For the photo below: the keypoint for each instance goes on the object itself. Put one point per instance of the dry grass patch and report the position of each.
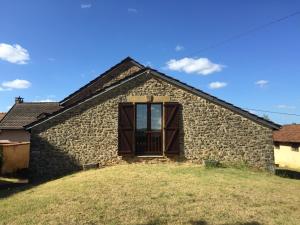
(157, 194)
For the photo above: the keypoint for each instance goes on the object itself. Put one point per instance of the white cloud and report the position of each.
(217, 85)
(132, 10)
(201, 66)
(86, 6)
(13, 53)
(283, 106)
(15, 84)
(261, 83)
(179, 48)
(45, 100)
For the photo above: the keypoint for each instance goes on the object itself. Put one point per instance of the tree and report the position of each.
(266, 117)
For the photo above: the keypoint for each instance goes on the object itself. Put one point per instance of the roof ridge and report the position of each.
(36, 103)
(127, 59)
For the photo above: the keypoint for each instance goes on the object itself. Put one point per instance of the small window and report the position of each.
(276, 144)
(295, 147)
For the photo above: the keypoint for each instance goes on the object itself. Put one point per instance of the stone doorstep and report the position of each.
(150, 159)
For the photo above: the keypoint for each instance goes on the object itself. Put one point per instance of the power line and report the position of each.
(245, 33)
(266, 111)
(255, 29)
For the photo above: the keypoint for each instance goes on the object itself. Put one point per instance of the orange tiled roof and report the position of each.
(288, 133)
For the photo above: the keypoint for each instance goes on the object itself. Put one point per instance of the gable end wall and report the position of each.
(88, 133)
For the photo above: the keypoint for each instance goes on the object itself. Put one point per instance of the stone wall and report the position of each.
(88, 133)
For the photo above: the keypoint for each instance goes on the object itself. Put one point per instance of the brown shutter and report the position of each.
(172, 128)
(126, 128)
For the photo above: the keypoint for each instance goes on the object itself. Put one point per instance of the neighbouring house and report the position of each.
(286, 146)
(21, 114)
(132, 111)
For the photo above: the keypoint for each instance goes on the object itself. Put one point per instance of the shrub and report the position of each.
(211, 163)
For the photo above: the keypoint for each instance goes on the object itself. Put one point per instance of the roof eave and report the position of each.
(198, 92)
(62, 110)
(286, 142)
(223, 103)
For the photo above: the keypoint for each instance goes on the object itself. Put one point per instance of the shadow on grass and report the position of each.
(287, 173)
(51, 160)
(47, 162)
(8, 189)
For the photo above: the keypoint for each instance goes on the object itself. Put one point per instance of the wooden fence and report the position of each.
(14, 157)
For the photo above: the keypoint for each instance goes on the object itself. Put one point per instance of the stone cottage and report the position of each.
(132, 111)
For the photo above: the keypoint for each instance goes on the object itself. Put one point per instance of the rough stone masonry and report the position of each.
(88, 133)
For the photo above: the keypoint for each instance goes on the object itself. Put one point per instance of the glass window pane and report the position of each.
(141, 116)
(155, 116)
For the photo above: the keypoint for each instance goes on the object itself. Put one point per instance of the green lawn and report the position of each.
(156, 194)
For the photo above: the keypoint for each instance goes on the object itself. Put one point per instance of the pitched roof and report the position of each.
(2, 114)
(220, 102)
(288, 134)
(25, 113)
(100, 81)
(211, 98)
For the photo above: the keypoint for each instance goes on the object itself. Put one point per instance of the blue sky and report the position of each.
(48, 49)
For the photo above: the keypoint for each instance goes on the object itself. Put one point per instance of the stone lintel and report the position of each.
(145, 98)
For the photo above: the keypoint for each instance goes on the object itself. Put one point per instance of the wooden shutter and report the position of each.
(126, 128)
(172, 128)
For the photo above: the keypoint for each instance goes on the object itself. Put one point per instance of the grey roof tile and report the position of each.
(22, 114)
